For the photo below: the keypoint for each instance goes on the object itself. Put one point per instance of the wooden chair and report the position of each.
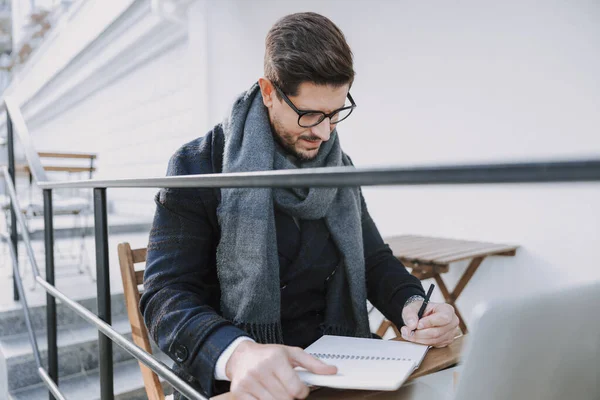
(61, 167)
(384, 325)
(132, 279)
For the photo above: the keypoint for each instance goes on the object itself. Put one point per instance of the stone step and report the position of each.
(13, 320)
(77, 353)
(69, 226)
(128, 385)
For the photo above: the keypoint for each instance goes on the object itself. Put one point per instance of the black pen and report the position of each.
(424, 305)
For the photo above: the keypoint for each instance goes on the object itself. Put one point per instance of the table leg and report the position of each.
(450, 300)
(468, 274)
(462, 282)
(461, 321)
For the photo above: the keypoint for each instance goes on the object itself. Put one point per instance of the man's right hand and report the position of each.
(266, 371)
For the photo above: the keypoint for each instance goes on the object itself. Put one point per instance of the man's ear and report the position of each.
(267, 91)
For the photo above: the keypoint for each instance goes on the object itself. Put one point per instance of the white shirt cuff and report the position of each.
(220, 374)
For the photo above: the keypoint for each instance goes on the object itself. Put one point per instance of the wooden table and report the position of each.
(435, 360)
(428, 257)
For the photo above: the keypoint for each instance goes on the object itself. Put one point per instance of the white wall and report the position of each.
(134, 130)
(469, 82)
(437, 82)
(113, 80)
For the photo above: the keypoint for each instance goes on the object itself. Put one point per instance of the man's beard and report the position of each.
(279, 134)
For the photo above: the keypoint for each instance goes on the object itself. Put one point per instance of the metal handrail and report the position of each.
(14, 201)
(136, 351)
(33, 159)
(32, 339)
(150, 361)
(548, 171)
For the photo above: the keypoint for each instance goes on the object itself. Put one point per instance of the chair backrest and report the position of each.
(68, 166)
(86, 157)
(131, 281)
(385, 325)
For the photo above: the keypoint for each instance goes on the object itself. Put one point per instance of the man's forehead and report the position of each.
(324, 98)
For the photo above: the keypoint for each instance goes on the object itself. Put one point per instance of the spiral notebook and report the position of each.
(369, 364)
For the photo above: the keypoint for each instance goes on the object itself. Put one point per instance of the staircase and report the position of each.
(77, 339)
(77, 355)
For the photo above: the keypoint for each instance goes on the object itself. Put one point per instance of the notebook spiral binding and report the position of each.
(328, 356)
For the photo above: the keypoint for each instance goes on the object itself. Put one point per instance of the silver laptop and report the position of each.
(544, 347)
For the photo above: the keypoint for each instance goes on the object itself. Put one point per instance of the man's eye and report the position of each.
(311, 119)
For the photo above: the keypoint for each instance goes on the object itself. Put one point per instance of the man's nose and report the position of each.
(323, 130)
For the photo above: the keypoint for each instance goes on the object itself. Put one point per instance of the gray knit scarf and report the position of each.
(247, 258)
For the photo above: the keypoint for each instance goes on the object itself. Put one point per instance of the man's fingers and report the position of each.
(243, 396)
(300, 358)
(436, 335)
(442, 341)
(410, 315)
(439, 330)
(294, 387)
(429, 333)
(440, 317)
(432, 337)
(250, 389)
(276, 387)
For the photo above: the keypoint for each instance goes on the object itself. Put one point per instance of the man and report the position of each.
(238, 281)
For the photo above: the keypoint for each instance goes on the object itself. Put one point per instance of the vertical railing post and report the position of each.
(14, 235)
(50, 300)
(103, 288)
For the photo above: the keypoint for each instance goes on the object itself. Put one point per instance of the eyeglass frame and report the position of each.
(302, 113)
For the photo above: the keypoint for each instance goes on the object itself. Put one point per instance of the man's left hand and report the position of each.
(437, 328)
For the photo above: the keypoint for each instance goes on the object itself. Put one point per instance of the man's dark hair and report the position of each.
(307, 47)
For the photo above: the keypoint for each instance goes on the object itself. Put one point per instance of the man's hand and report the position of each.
(266, 371)
(437, 328)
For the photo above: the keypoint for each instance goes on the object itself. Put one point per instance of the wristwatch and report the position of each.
(412, 299)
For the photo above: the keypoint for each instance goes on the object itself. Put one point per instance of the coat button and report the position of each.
(181, 353)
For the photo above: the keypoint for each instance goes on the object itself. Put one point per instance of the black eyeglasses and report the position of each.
(310, 118)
